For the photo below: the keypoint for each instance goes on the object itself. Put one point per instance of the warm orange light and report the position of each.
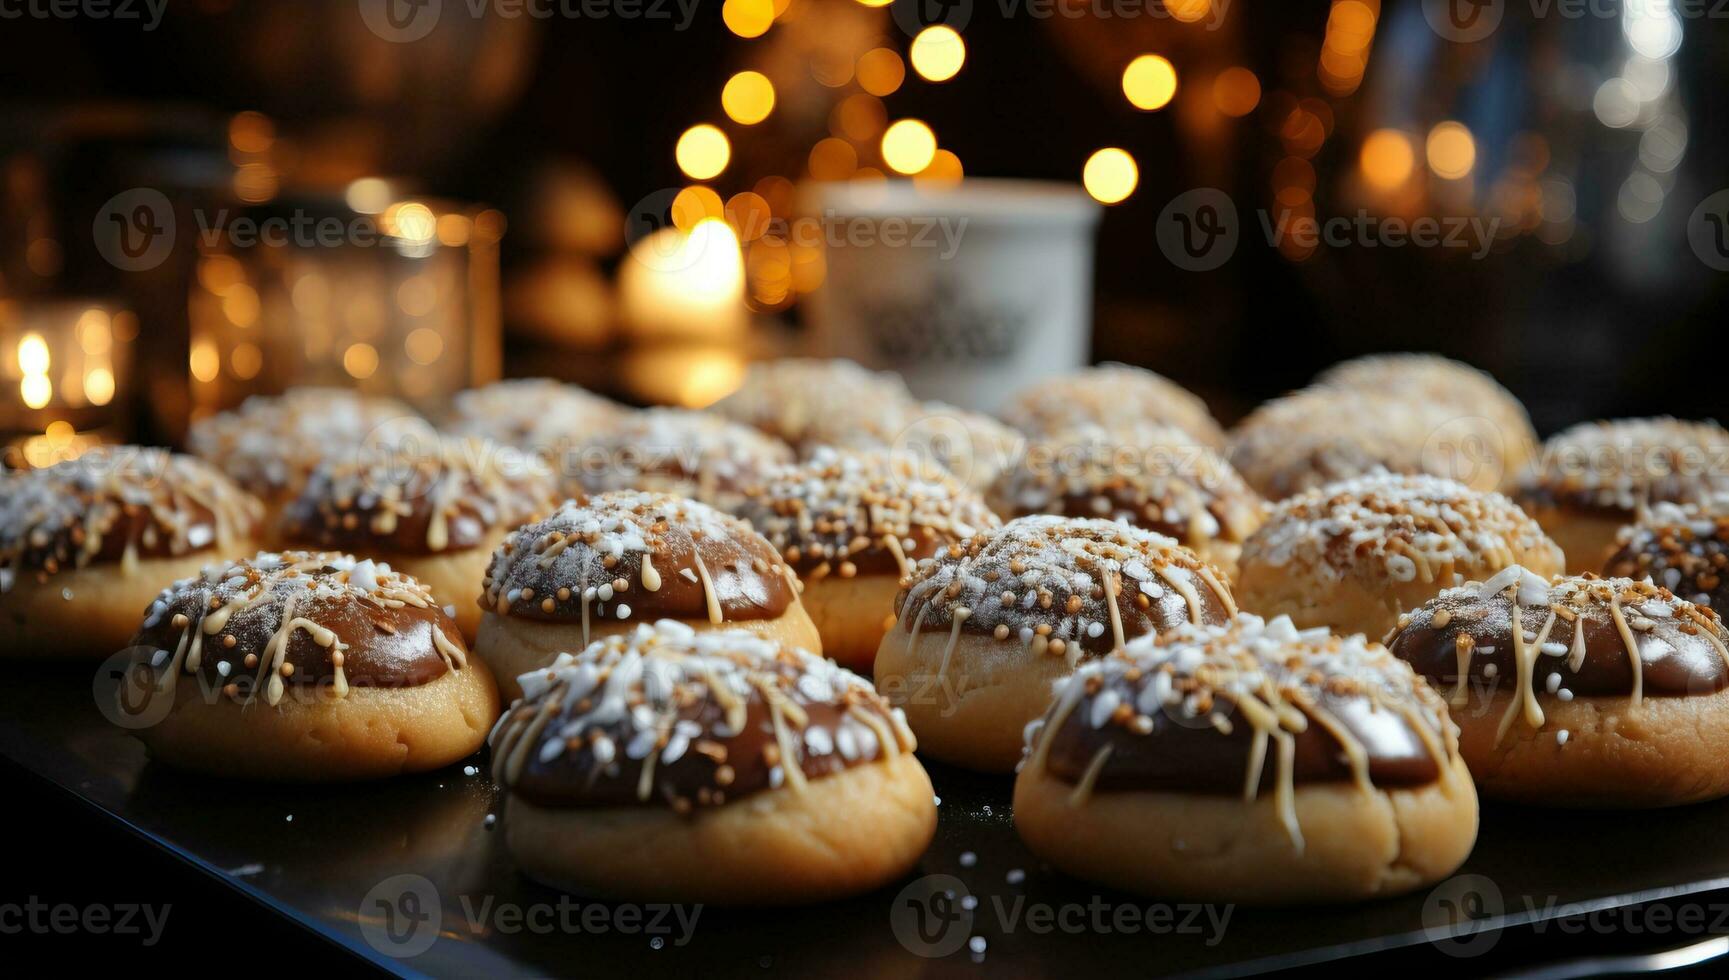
(748, 18)
(859, 117)
(694, 204)
(1150, 82)
(909, 146)
(1188, 11)
(1236, 91)
(703, 152)
(1110, 175)
(881, 71)
(360, 361)
(944, 171)
(832, 159)
(938, 53)
(1451, 150)
(748, 97)
(1387, 159)
(749, 214)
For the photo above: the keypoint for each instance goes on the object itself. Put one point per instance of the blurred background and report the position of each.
(609, 192)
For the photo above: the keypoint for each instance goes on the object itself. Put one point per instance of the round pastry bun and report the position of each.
(372, 733)
(709, 766)
(1592, 479)
(851, 615)
(513, 647)
(1352, 556)
(304, 666)
(841, 835)
(1684, 548)
(797, 399)
(971, 669)
(1356, 845)
(1110, 396)
(86, 544)
(456, 574)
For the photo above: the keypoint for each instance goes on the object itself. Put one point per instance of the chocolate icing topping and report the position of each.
(270, 444)
(1064, 586)
(642, 556)
(116, 502)
(1247, 708)
(668, 716)
(671, 450)
(258, 627)
(1576, 636)
(418, 499)
(852, 513)
(1683, 549)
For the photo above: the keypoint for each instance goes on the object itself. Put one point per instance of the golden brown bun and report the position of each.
(841, 835)
(513, 647)
(314, 736)
(851, 615)
(1223, 849)
(1353, 555)
(37, 619)
(976, 714)
(1666, 752)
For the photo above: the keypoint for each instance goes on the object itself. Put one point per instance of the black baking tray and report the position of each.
(326, 857)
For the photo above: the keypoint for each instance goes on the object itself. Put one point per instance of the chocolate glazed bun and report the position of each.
(434, 511)
(1579, 691)
(1353, 556)
(1685, 549)
(1151, 476)
(86, 543)
(672, 450)
(304, 666)
(852, 525)
(600, 566)
(989, 623)
(1248, 762)
(1592, 479)
(667, 764)
(794, 397)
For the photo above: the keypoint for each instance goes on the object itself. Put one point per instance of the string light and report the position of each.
(1150, 82)
(748, 97)
(1110, 175)
(703, 152)
(909, 146)
(937, 53)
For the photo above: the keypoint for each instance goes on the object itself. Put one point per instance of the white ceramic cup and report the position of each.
(969, 292)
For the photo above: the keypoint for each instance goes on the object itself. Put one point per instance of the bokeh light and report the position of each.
(1110, 175)
(1451, 150)
(1150, 82)
(938, 53)
(748, 18)
(909, 146)
(881, 71)
(748, 97)
(1387, 159)
(703, 152)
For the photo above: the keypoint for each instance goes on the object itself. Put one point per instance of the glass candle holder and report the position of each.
(65, 375)
(392, 296)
